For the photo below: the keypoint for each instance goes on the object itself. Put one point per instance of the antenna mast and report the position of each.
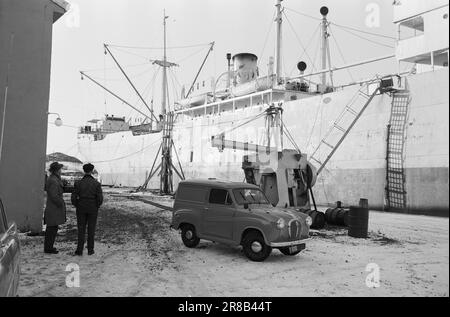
(279, 21)
(325, 47)
(164, 66)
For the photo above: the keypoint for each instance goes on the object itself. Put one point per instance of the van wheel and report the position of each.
(189, 236)
(255, 247)
(286, 251)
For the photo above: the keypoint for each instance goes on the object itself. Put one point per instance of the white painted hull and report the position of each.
(357, 170)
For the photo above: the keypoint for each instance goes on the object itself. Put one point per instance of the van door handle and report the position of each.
(206, 208)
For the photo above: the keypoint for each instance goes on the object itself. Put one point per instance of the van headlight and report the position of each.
(309, 221)
(281, 223)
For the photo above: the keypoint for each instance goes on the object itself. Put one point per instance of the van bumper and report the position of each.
(288, 244)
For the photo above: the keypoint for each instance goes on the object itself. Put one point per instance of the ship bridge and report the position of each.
(422, 32)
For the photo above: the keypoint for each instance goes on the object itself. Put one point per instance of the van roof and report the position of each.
(217, 183)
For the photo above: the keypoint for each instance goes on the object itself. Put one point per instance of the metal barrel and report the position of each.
(337, 216)
(358, 220)
(318, 219)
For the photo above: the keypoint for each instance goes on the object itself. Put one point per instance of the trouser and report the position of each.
(90, 220)
(50, 236)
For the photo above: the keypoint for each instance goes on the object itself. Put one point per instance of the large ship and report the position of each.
(385, 138)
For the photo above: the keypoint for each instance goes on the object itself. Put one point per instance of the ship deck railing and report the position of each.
(232, 104)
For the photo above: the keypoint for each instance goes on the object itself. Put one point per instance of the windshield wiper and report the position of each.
(253, 197)
(245, 199)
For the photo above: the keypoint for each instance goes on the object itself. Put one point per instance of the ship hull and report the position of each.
(357, 170)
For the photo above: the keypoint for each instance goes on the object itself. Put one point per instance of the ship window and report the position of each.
(411, 28)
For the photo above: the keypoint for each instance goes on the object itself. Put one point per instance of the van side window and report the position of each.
(220, 197)
(193, 194)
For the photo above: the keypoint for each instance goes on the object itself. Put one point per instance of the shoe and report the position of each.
(91, 252)
(78, 253)
(53, 251)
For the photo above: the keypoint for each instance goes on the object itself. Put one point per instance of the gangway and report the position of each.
(347, 119)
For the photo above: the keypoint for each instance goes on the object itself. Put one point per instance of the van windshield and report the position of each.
(250, 196)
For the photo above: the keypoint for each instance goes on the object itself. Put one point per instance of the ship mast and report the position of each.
(164, 66)
(279, 21)
(325, 48)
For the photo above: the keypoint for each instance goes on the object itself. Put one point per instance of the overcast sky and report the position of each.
(234, 25)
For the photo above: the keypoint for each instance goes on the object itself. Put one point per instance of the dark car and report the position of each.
(9, 257)
(237, 214)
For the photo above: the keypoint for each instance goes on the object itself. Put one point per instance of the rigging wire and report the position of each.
(154, 83)
(298, 39)
(191, 55)
(174, 90)
(129, 155)
(245, 123)
(268, 34)
(157, 48)
(290, 137)
(104, 80)
(130, 53)
(176, 79)
(341, 53)
(309, 43)
(314, 125)
(148, 69)
(343, 26)
(316, 55)
(115, 68)
(365, 38)
(364, 32)
(303, 14)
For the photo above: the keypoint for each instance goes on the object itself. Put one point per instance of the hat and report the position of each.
(54, 167)
(88, 168)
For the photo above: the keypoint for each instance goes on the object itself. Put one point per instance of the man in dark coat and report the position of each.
(87, 198)
(55, 209)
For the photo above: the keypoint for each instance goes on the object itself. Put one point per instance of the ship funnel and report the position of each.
(245, 67)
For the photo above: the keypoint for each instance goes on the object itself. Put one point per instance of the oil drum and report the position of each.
(337, 216)
(318, 219)
(358, 221)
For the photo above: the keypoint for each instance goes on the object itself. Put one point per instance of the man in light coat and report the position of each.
(55, 209)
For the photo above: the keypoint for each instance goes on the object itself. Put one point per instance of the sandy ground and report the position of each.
(137, 254)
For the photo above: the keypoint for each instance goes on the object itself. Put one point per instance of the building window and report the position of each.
(411, 28)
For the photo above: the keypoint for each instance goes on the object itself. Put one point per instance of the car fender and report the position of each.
(260, 224)
(185, 216)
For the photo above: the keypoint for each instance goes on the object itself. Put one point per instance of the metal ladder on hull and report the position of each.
(342, 126)
(395, 174)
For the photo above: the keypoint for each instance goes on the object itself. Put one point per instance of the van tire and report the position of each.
(189, 236)
(251, 238)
